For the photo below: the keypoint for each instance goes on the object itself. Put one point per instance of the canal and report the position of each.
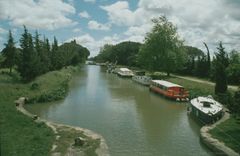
(133, 120)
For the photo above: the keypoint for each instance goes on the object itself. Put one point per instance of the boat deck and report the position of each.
(213, 108)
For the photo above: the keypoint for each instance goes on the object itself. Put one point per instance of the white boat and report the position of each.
(206, 109)
(141, 78)
(125, 72)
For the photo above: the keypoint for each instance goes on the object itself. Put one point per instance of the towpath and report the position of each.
(234, 88)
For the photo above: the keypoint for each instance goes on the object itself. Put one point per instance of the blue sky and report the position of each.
(94, 23)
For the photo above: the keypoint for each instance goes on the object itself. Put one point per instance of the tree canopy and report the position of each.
(163, 48)
(124, 53)
(9, 53)
(36, 56)
(220, 67)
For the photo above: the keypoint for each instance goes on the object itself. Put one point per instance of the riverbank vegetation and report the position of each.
(229, 133)
(30, 71)
(20, 135)
(36, 56)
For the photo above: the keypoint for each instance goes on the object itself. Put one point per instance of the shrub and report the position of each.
(34, 86)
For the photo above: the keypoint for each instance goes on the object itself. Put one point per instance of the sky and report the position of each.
(93, 23)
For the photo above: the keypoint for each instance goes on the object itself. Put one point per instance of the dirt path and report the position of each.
(234, 88)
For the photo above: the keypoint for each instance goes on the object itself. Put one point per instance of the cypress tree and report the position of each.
(54, 55)
(42, 48)
(29, 59)
(208, 59)
(9, 52)
(220, 70)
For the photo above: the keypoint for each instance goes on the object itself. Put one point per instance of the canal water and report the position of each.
(134, 121)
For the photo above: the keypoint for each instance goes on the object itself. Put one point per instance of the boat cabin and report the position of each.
(125, 72)
(140, 73)
(206, 109)
(170, 90)
(141, 78)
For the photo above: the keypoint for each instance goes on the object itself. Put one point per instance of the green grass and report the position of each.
(19, 134)
(229, 133)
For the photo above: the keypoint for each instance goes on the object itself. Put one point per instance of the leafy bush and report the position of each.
(34, 86)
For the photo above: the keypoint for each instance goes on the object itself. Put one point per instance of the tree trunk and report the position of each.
(168, 74)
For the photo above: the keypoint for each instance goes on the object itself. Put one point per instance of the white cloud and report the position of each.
(138, 30)
(2, 31)
(77, 30)
(119, 13)
(197, 21)
(98, 26)
(84, 14)
(91, 1)
(41, 14)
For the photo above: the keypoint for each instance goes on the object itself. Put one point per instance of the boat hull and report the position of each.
(141, 80)
(124, 75)
(168, 95)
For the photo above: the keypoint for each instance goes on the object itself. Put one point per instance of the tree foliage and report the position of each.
(233, 70)
(75, 53)
(192, 64)
(36, 56)
(220, 70)
(124, 53)
(9, 53)
(29, 62)
(162, 49)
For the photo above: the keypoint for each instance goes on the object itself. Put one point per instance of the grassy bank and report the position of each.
(20, 135)
(229, 133)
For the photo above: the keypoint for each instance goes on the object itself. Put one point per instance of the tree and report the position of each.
(208, 59)
(106, 54)
(233, 70)
(236, 106)
(201, 68)
(43, 51)
(73, 53)
(54, 55)
(192, 62)
(124, 53)
(44, 55)
(29, 62)
(221, 64)
(162, 49)
(9, 52)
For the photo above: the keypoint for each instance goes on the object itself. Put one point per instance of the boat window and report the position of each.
(206, 104)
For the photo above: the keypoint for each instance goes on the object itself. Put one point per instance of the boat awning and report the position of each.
(124, 69)
(166, 83)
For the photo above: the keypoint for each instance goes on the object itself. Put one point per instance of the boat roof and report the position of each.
(166, 83)
(214, 108)
(124, 69)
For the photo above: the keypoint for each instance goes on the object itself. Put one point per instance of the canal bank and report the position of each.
(132, 120)
(37, 138)
(217, 146)
(91, 142)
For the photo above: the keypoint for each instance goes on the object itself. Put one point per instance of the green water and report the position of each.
(133, 120)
